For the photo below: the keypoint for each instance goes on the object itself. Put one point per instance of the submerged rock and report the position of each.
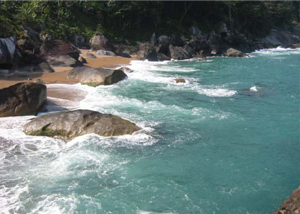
(180, 80)
(231, 52)
(95, 77)
(291, 205)
(22, 99)
(70, 124)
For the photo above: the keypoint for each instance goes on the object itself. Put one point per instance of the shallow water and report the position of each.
(227, 141)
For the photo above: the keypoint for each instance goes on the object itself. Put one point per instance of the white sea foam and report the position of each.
(254, 88)
(278, 51)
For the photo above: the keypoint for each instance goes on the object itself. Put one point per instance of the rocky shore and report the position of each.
(291, 205)
(26, 65)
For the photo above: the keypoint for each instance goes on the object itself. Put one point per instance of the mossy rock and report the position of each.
(70, 124)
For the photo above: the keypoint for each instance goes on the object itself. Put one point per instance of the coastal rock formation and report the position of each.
(60, 53)
(7, 50)
(280, 38)
(70, 124)
(22, 99)
(179, 53)
(163, 44)
(147, 51)
(95, 77)
(231, 52)
(291, 205)
(100, 42)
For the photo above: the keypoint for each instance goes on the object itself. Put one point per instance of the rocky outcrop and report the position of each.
(163, 44)
(95, 77)
(105, 53)
(22, 99)
(70, 124)
(280, 38)
(147, 52)
(7, 50)
(100, 42)
(291, 205)
(179, 53)
(60, 53)
(231, 52)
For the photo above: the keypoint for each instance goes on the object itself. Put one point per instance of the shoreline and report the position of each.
(60, 76)
(62, 93)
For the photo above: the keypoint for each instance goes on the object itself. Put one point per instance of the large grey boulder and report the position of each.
(180, 53)
(7, 50)
(60, 53)
(22, 99)
(70, 124)
(94, 77)
(291, 205)
(100, 42)
(231, 52)
(147, 51)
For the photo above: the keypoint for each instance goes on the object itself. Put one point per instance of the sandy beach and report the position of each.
(61, 73)
(60, 90)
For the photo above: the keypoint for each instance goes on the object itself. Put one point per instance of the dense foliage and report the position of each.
(121, 20)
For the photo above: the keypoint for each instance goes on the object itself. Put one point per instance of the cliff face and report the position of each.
(291, 205)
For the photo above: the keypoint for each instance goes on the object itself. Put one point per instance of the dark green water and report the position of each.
(227, 141)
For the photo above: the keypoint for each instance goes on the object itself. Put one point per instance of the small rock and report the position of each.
(180, 80)
(90, 55)
(105, 53)
(39, 81)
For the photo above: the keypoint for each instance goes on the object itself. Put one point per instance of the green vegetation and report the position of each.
(48, 133)
(120, 20)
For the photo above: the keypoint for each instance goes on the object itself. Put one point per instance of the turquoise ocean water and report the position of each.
(226, 141)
